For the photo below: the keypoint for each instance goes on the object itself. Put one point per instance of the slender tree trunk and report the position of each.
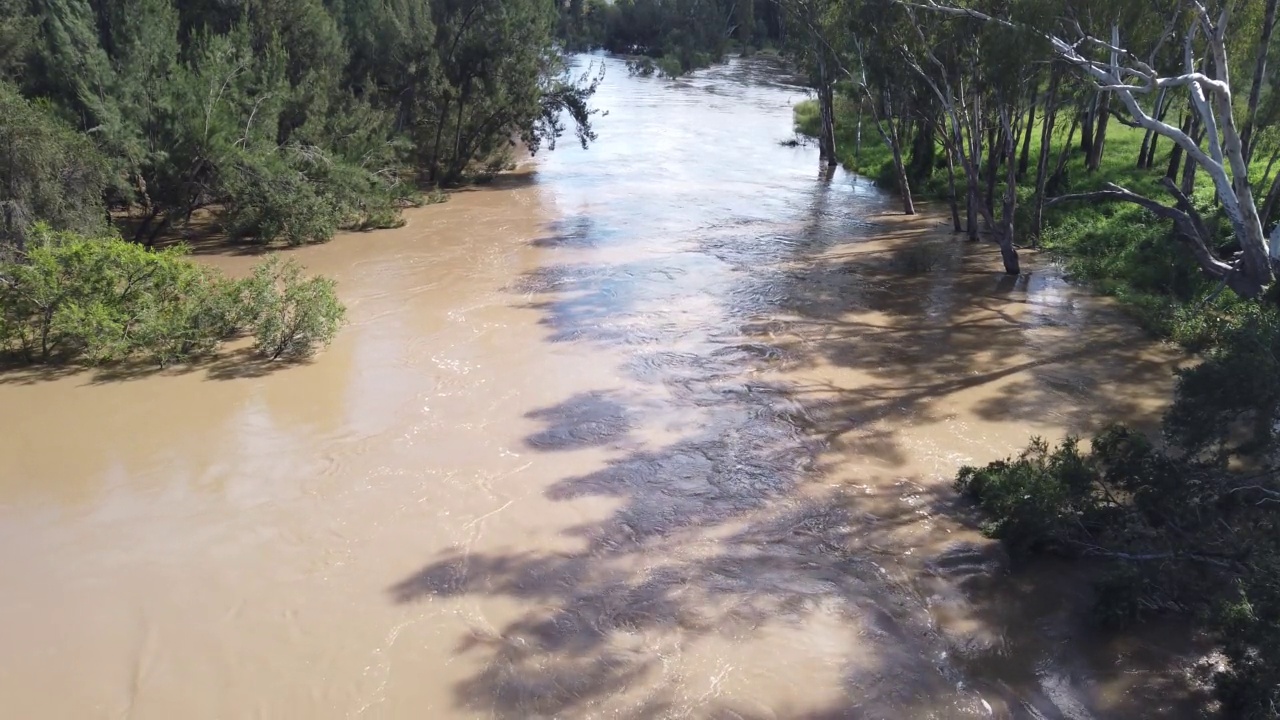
(1060, 168)
(1271, 206)
(1259, 72)
(826, 133)
(890, 131)
(1086, 127)
(923, 147)
(995, 149)
(1175, 157)
(159, 228)
(1042, 164)
(857, 142)
(1150, 159)
(951, 186)
(141, 232)
(1189, 167)
(434, 165)
(972, 182)
(904, 184)
(1100, 133)
(1008, 253)
(1024, 160)
(1149, 134)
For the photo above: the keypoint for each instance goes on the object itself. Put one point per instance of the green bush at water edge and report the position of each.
(73, 298)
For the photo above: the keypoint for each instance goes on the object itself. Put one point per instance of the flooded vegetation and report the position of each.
(665, 428)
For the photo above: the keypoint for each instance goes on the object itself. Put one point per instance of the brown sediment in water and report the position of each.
(600, 440)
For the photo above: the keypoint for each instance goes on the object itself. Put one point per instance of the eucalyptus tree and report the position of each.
(1131, 74)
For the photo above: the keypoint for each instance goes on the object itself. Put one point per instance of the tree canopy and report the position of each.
(290, 118)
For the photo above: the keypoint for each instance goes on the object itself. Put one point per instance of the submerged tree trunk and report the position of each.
(888, 124)
(954, 199)
(826, 112)
(972, 181)
(904, 183)
(141, 232)
(857, 143)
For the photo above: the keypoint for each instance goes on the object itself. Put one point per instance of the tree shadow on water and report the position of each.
(233, 364)
(749, 521)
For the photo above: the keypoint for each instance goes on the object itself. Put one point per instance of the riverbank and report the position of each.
(1117, 248)
(1207, 559)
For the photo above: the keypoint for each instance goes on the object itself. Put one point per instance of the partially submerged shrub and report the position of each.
(1168, 534)
(103, 299)
(293, 315)
(100, 300)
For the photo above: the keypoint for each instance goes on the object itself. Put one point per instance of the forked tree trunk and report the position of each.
(1150, 135)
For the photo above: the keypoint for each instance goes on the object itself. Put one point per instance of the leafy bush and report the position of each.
(1230, 402)
(1171, 531)
(292, 315)
(102, 300)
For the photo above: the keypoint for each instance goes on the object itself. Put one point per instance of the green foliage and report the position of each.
(47, 171)
(295, 118)
(72, 297)
(271, 198)
(292, 315)
(17, 27)
(680, 35)
(1176, 530)
(97, 300)
(1044, 499)
(1230, 402)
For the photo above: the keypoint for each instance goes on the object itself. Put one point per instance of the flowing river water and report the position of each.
(660, 429)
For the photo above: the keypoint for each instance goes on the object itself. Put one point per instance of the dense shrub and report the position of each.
(72, 298)
(292, 315)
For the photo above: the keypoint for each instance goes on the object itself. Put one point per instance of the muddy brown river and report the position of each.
(660, 429)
